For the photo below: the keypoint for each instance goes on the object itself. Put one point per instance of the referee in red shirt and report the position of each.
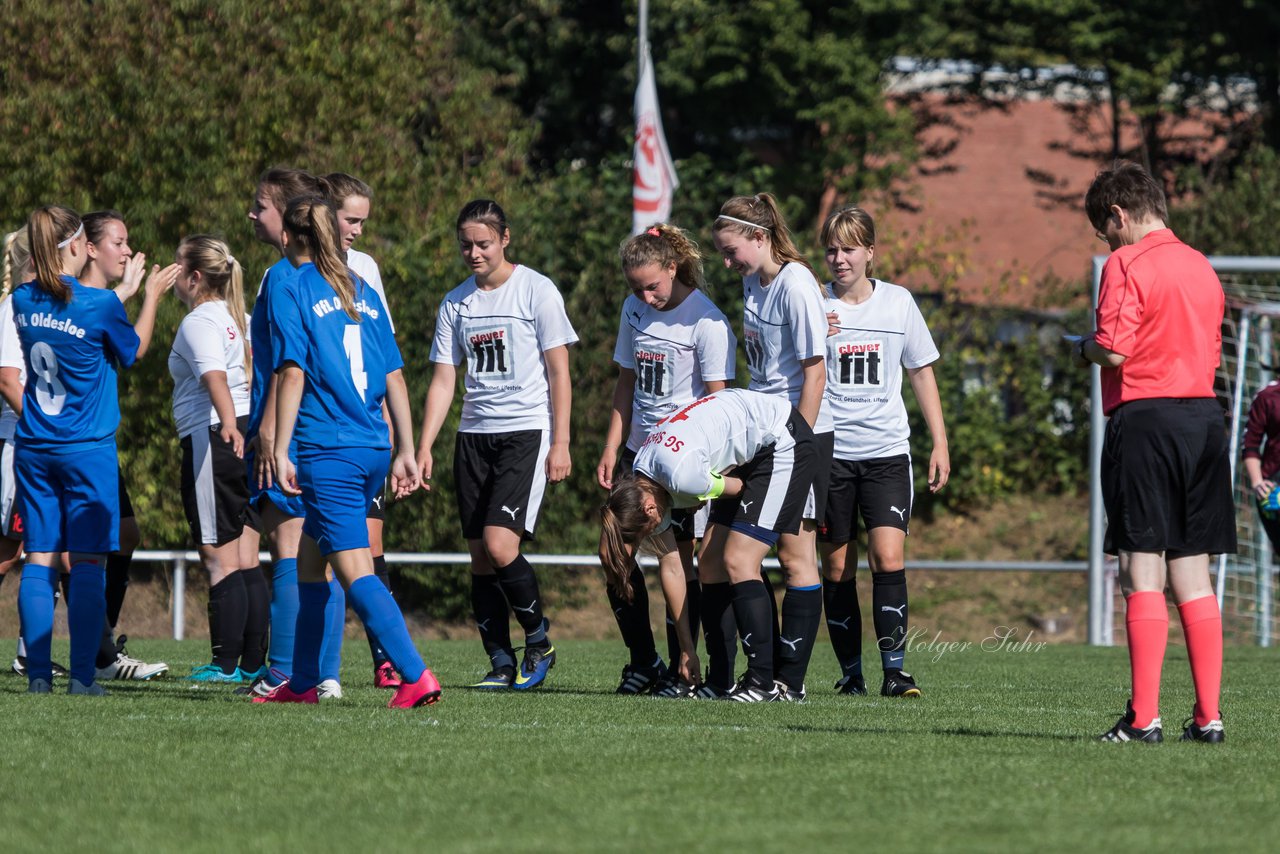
(1166, 475)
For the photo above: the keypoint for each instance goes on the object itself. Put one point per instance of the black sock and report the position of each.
(889, 611)
(489, 608)
(755, 628)
(521, 588)
(106, 646)
(117, 583)
(227, 612)
(380, 571)
(801, 616)
(257, 619)
(692, 604)
(773, 612)
(633, 620)
(720, 633)
(844, 624)
(64, 582)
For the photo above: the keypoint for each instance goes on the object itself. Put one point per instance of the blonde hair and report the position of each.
(664, 244)
(623, 523)
(50, 226)
(313, 223)
(746, 215)
(339, 186)
(221, 273)
(850, 226)
(17, 258)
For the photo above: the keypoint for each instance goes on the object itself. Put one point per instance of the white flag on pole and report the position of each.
(655, 178)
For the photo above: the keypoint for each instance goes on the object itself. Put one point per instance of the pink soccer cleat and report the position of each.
(410, 695)
(285, 694)
(385, 676)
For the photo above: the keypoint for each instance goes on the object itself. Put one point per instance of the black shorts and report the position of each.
(378, 506)
(775, 487)
(1166, 478)
(126, 506)
(815, 506)
(500, 479)
(215, 488)
(10, 518)
(683, 519)
(879, 491)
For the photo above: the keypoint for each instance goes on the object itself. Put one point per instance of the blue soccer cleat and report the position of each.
(213, 673)
(533, 670)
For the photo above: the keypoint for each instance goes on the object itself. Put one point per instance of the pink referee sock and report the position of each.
(1202, 625)
(1147, 621)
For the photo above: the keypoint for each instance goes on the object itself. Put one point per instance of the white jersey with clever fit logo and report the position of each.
(877, 339)
(502, 333)
(673, 353)
(366, 268)
(784, 323)
(10, 357)
(207, 340)
(708, 436)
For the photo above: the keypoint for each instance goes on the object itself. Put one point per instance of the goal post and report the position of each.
(1244, 582)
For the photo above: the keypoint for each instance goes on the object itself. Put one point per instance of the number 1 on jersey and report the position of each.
(355, 355)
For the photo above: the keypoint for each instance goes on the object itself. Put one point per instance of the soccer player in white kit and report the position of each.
(674, 346)
(784, 331)
(878, 333)
(508, 322)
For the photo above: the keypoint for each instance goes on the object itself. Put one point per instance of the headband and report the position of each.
(742, 222)
(79, 231)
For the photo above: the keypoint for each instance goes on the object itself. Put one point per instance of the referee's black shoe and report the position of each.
(1124, 730)
(1210, 733)
(898, 684)
(852, 685)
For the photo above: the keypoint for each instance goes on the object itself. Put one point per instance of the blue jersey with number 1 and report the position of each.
(71, 350)
(346, 361)
(262, 337)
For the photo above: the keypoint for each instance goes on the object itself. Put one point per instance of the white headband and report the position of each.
(741, 222)
(79, 231)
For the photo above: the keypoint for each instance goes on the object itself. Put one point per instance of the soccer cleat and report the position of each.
(39, 686)
(329, 689)
(210, 673)
(749, 690)
(1124, 730)
(284, 694)
(264, 685)
(20, 667)
(385, 676)
(127, 667)
(93, 689)
(641, 680)
(673, 688)
(852, 685)
(497, 679)
(707, 691)
(410, 695)
(533, 670)
(254, 675)
(898, 684)
(789, 695)
(1210, 733)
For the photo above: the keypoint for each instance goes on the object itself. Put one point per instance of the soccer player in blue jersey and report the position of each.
(73, 338)
(336, 360)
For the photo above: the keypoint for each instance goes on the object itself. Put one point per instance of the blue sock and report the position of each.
(313, 602)
(335, 622)
(380, 615)
(35, 610)
(86, 612)
(284, 613)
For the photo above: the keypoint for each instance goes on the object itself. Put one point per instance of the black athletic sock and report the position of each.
(117, 583)
(844, 624)
(889, 611)
(64, 582)
(375, 649)
(257, 621)
(633, 620)
(227, 612)
(773, 612)
(489, 608)
(720, 632)
(801, 616)
(521, 588)
(106, 646)
(755, 628)
(692, 604)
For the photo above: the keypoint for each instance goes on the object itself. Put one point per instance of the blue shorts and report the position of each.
(337, 487)
(69, 496)
(289, 505)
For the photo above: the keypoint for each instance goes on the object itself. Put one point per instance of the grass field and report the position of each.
(996, 756)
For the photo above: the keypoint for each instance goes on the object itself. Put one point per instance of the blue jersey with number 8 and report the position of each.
(346, 362)
(71, 350)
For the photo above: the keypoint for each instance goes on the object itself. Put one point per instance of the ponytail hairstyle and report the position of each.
(746, 215)
(17, 259)
(221, 273)
(51, 228)
(623, 523)
(339, 186)
(485, 212)
(312, 223)
(280, 185)
(664, 244)
(850, 226)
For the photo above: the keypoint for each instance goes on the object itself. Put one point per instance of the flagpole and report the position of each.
(642, 45)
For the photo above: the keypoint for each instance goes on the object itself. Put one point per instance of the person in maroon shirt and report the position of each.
(1262, 455)
(1166, 475)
